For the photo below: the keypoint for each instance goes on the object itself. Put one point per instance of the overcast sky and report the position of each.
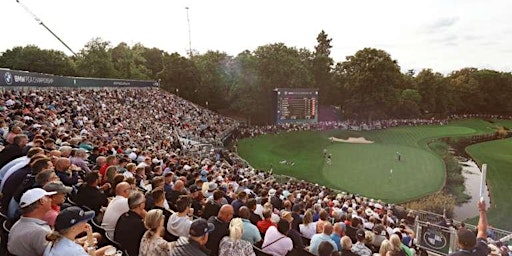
(444, 35)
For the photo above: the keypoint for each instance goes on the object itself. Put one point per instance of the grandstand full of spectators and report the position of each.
(88, 172)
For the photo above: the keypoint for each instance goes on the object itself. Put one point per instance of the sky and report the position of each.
(444, 35)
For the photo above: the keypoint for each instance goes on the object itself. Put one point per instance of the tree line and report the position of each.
(367, 85)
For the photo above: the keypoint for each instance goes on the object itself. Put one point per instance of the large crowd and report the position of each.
(89, 172)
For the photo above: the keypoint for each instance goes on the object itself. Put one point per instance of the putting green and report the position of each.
(362, 168)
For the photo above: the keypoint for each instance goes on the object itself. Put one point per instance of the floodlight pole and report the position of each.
(42, 24)
(189, 35)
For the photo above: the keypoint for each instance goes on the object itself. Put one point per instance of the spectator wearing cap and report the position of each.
(57, 200)
(195, 243)
(197, 200)
(90, 195)
(71, 222)
(275, 241)
(221, 223)
(168, 179)
(324, 236)
(337, 233)
(130, 226)
(234, 245)
(28, 234)
(116, 208)
(251, 232)
(360, 248)
(292, 233)
(467, 242)
(152, 243)
(274, 199)
(179, 222)
(212, 207)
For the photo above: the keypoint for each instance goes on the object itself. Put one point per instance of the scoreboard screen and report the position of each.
(296, 105)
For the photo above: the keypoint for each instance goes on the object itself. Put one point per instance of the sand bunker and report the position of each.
(360, 140)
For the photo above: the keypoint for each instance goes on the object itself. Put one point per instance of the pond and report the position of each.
(472, 175)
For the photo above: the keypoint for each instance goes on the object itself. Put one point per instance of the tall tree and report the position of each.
(95, 60)
(321, 70)
(371, 79)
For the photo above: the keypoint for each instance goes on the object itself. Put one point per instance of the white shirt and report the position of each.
(276, 247)
(115, 209)
(309, 230)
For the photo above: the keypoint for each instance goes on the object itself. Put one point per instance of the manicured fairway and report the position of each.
(362, 168)
(498, 156)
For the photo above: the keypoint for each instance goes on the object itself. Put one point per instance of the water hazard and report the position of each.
(472, 176)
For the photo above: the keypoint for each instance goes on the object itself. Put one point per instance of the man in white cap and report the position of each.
(28, 234)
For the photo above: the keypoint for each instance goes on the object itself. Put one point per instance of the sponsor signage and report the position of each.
(15, 78)
(435, 238)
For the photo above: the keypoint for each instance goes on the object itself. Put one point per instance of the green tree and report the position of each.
(32, 58)
(180, 76)
(321, 69)
(129, 62)
(95, 60)
(370, 79)
(217, 78)
(154, 59)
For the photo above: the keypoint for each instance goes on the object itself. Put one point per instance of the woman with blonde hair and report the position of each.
(152, 242)
(234, 245)
(308, 227)
(385, 247)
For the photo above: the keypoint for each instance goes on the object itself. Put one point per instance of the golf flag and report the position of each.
(482, 181)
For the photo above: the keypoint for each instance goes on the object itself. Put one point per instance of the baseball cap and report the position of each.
(58, 187)
(200, 227)
(33, 195)
(193, 189)
(360, 234)
(272, 192)
(72, 216)
(167, 172)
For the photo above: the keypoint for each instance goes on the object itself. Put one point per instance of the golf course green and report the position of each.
(362, 168)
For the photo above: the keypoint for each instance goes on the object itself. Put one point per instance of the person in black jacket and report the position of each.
(90, 195)
(130, 226)
(195, 243)
(13, 151)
